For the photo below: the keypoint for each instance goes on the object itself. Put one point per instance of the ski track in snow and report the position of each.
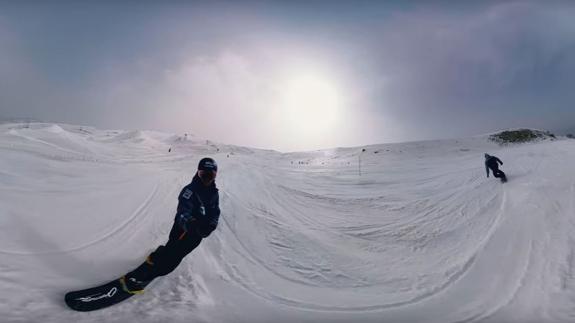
(121, 227)
(420, 236)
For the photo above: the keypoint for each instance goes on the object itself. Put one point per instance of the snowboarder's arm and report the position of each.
(487, 170)
(186, 200)
(209, 222)
(185, 221)
(499, 161)
(189, 209)
(197, 216)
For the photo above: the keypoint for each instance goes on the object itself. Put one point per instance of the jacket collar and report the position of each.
(197, 183)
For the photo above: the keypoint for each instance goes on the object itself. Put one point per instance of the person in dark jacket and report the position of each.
(492, 162)
(197, 216)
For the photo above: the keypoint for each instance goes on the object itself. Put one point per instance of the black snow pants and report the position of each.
(498, 173)
(166, 258)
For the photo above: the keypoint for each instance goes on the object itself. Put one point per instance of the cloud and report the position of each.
(26, 90)
(405, 73)
(14, 73)
(500, 65)
(232, 97)
(223, 97)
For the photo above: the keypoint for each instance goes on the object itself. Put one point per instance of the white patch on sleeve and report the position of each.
(187, 194)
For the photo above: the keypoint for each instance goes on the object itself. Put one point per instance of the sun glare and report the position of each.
(310, 105)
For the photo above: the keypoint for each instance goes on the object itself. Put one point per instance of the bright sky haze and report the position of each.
(293, 75)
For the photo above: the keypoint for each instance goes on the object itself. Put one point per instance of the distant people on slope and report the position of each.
(492, 162)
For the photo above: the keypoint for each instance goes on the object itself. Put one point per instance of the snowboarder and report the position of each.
(492, 162)
(197, 216)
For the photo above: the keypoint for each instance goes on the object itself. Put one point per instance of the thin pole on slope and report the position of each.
(359, 158)
(359, 163)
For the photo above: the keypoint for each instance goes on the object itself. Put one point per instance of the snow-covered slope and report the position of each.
(409, 232)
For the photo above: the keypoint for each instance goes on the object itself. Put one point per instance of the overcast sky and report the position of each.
(291, 75)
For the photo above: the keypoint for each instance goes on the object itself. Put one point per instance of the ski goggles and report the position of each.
(207, 175)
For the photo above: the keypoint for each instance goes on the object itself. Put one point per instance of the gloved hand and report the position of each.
(185, 221)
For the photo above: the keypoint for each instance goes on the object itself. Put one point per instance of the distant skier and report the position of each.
(197, 216)
(492, 162)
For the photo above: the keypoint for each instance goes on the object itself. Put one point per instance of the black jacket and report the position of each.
(201, 204)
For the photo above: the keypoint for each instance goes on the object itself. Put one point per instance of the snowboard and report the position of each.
(99, 297)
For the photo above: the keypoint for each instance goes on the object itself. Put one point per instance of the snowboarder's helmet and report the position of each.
(487, 156)
(208, 164)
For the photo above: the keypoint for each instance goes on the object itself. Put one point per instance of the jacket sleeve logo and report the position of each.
(187, 194)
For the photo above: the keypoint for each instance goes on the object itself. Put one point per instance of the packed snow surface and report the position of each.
(411, 232)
